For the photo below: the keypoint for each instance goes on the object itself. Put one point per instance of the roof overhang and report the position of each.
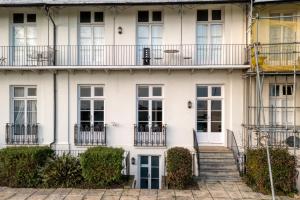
(18, 3)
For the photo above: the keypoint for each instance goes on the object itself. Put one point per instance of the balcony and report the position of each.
(124, 55)
(22, 134)
(89, 135)
(150, 136)
(277, 57)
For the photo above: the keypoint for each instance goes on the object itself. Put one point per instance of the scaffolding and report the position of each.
(272, 110)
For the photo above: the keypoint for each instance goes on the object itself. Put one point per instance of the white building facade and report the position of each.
(140, 76)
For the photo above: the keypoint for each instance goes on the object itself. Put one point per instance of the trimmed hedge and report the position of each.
(102, 166)
(283, 169)
(20, 166)
(62, 171)
(179, 167)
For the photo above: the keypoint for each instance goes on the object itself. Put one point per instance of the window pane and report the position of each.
(99, 17)
(216, 105)
(154, 183)
(216, 127)
(216, 15)
(155, 161)
(143, 116)
(156, 116)
(85, 17)
(201, 115)
(31, 112)
(274, 90)
(157, 91)
(144, 160)
(85, 116)
(98, 116)
(154, 172)
(216, 115)
(216, 91)
(31, 18)
(98, 105)
(144, 172)
(202, 91)
(85, 91)
(98, 91)
(19, 108)
(85, 105)
(201, 105)
(202, 126)
(143, 91)
(18, 18)
(156, 16)
(156, 105)
(18, 92)
(143, 105)
(31, 92)
(287, 90)
(202, 15)
(143, 16)
(85, 126)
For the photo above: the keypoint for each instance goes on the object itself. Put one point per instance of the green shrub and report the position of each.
(62, 171)
(20, 166)
(283, 170)
(179, 167)
(102, 166)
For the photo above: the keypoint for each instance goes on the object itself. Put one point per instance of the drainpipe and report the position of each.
(54, 77)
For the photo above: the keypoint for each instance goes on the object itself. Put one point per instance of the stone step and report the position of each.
(217, 160)
(218, 167)
(216, 155)
(219, 178)
(217, 164)
(230, 173)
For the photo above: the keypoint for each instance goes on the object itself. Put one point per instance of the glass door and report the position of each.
(209, 115)
(149, 172)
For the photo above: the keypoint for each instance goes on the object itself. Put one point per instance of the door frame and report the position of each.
(138, 177)
(222, 98)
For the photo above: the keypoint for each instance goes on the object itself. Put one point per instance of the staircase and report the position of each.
(217, 164)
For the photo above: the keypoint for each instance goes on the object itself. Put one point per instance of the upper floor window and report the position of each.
(91, 17)
(149, 37)
(21, 18)
(24, 105)
(149, 16)
(91, 38)
(209, 36)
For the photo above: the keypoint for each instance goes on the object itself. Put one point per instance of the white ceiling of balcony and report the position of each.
(71, 2)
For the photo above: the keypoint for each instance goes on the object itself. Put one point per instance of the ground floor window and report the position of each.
(91, 107)
(24, 109)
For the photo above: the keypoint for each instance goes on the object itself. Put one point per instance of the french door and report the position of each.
(150, 36)
(91, 47)
(149, 172)
(210, 115)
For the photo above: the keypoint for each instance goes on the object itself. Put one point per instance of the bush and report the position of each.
(63, 171)
(283, 169)
(179, 167)
(20, 166)
(102, 166)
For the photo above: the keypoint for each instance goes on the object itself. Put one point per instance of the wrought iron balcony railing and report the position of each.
(22, 134)
(125, 55)
(89, 135)
(150, 136)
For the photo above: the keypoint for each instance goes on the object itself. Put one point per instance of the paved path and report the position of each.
(207, 191)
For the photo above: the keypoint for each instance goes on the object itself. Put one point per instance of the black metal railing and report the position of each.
(238, 156)
(125, 55)
(89, 135)
(150, 136)
(197, 151)
(22, 134)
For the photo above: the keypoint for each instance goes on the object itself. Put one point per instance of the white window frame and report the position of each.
(210, 98)
(25, 98)
(150, 98)
(92, 98)
(280, 110)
